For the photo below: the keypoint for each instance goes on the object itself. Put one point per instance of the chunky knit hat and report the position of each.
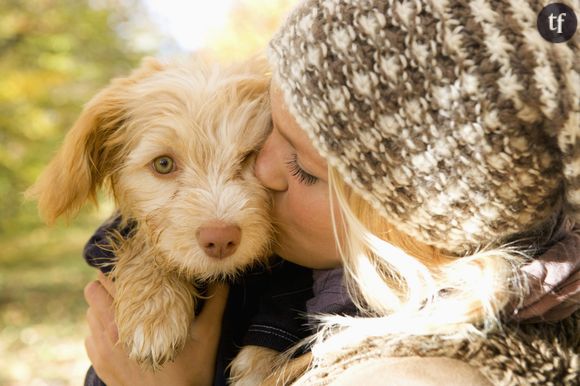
(453, 118)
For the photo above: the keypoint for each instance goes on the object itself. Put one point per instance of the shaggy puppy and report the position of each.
(175, 144)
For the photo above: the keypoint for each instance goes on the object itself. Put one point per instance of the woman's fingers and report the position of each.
(101, 308)
(95, 325)
(206, 327)
(195, 363)
(213, 309)
(92, 351)
(107, 283)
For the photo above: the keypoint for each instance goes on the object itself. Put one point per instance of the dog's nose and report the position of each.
(219, 240)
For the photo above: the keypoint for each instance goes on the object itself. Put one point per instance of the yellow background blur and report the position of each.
(54, 55)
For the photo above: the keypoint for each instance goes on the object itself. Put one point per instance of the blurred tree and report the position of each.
(54, 55)
(249, 28)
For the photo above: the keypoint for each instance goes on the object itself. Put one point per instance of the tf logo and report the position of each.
(557, 23)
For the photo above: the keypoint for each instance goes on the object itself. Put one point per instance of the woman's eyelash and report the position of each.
(302, 176)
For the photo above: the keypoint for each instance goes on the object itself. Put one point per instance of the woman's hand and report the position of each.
(193, 366)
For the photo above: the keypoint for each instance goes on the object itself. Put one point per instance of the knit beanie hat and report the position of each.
(455, 119)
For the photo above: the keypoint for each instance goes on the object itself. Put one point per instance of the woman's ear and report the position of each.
(90, 151)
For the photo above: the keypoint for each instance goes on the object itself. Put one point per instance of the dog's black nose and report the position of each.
(219, 240)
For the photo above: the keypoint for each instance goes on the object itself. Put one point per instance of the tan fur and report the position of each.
(256, 365)
(252, 365)
(289, 371)
(211, 120)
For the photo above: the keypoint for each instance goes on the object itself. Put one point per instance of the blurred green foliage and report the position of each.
(54, 55)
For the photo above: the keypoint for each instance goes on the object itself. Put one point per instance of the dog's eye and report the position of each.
(163, 165)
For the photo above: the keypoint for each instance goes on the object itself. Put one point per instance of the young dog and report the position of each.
(175, 144)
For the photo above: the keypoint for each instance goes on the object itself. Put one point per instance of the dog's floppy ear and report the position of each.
(89, 152)
(256, 77)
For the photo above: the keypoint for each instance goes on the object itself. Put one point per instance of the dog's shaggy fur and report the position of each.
(210, 120)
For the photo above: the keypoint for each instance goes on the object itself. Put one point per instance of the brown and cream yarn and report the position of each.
(453, 118)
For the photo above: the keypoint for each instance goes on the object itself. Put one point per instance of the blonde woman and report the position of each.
(431, 149)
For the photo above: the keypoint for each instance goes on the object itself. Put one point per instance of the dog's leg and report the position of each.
(255, 365)
(153, 308)
(289, 372)
(252, 365)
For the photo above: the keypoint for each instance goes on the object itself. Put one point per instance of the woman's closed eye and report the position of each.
(296, 171)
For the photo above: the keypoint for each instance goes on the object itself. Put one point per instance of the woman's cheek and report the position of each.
(310, 207)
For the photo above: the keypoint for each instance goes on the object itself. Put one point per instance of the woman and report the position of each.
(433, 150)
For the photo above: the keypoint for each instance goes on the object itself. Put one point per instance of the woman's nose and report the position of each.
(269, 167)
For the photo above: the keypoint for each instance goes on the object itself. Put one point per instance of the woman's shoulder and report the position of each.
(416, 371)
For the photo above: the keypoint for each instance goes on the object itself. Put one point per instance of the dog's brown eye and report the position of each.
(163, 164)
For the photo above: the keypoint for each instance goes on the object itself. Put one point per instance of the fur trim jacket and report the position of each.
(522, 354)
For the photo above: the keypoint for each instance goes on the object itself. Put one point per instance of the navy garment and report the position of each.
(92, 379)
(97, 251)
(267, 306)
(330, 295)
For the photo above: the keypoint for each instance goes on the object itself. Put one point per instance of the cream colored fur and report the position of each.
(252, 365)
(211, 119)
(266, 367)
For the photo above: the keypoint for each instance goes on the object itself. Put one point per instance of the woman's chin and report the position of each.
(308, 260)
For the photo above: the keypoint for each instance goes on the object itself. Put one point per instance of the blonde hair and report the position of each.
(404, 287)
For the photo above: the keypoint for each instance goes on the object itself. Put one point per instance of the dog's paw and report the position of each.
(252, 365)
(155, 343)
(154, 326)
